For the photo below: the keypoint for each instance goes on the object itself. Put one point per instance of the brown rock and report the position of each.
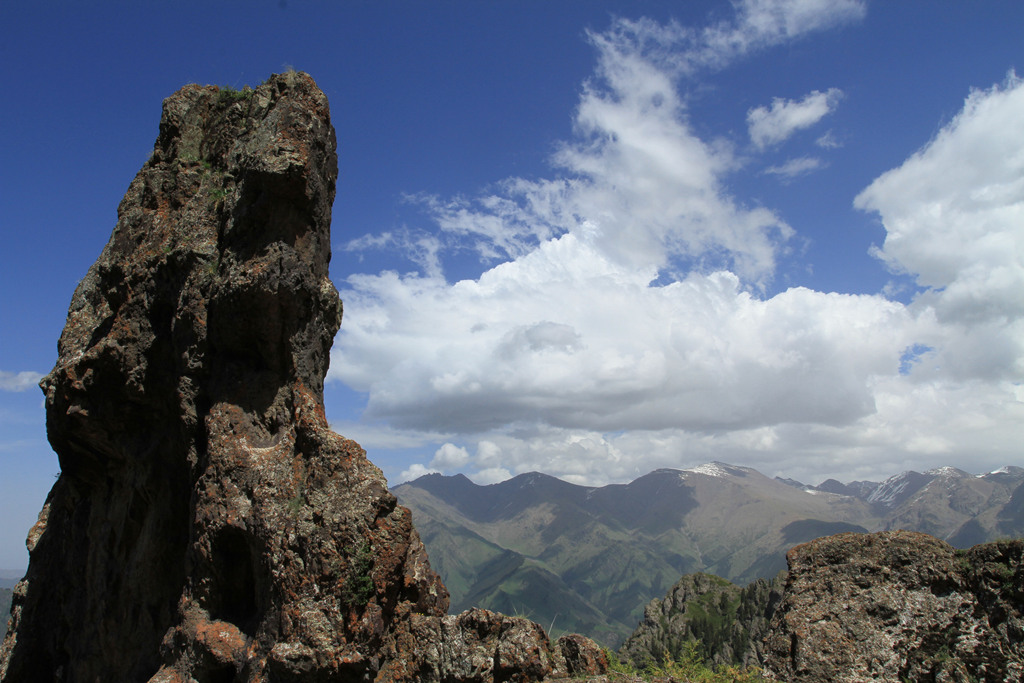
(582, 656)
(207, 524)
(897, 606)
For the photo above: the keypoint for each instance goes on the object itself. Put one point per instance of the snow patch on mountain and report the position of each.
(896, 489)
(711, 469)
(1003, 471)
(946, 472)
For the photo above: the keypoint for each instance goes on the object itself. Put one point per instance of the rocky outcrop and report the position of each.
(727, 622)
(480, 645)
(891, 606)
(207, 524)
(899, 606)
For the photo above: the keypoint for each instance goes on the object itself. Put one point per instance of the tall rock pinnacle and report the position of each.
(207, 524)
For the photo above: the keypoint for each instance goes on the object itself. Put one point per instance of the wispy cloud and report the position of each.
(422, 248)
(638, 184)
(771, 125)
(759, 24)
(828, 141)
(18, 381)
(795, 167)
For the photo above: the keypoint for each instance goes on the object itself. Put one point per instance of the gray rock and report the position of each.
(898, 606)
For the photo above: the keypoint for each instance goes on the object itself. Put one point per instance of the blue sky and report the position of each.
(587, 238)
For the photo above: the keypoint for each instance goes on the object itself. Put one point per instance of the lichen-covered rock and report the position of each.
(483, 646)
(581, 656)
(477, 645)
(207, 524)
(898, 606)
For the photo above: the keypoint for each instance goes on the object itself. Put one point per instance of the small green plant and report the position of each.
(232, 95)
(357, 586)
(616, 665)
(963, 562)
(1004, 574)
(689, 666)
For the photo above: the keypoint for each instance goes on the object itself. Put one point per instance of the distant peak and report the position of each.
(946, 472)
(1004, 470)
(530, 478)
(718, 469)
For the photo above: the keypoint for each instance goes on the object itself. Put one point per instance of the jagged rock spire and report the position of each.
(203, 503)
(207, 524)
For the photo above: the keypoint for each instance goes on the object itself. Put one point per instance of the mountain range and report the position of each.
(587, 559)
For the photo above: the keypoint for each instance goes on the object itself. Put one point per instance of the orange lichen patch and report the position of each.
(223, 641)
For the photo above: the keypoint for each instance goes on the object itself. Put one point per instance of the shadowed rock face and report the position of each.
(207, 524)
(898, 606)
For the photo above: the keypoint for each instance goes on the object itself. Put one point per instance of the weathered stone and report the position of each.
(898, 606)
(207, 524)
(581, 656)
(480, 645)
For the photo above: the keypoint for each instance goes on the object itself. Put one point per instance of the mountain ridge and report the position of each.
(615, 547)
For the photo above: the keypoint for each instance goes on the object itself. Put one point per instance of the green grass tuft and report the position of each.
(230, 94)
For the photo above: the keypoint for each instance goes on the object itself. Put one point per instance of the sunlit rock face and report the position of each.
(899, 606)
(207, 524)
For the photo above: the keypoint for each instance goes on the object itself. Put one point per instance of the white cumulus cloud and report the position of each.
(566, 337)
(449, 457)
(415, 471)
(954, 219)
